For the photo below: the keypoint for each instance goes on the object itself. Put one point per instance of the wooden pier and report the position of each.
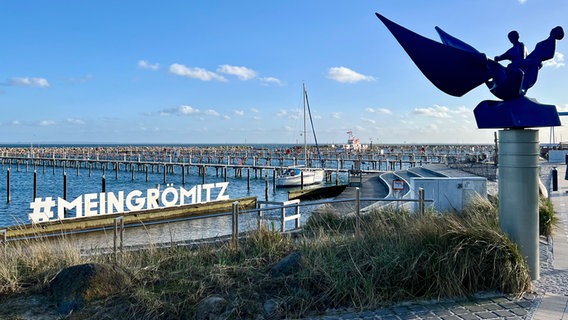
(224, 160)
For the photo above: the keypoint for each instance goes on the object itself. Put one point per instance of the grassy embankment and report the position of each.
(395, 256)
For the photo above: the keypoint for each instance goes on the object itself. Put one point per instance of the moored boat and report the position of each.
(298, 176)
(302, 176)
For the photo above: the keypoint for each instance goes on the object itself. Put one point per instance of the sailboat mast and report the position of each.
(305, 131)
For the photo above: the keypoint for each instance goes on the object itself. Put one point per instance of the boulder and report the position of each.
(288, 265)
(211, 308)
(74, 286)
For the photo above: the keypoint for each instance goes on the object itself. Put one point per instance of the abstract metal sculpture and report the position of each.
(456, 68)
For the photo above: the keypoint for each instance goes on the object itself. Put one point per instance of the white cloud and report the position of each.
(270, 81)
(557, 61)
(211, 112)
(254, 110)
(239, 113)
(379, 110)
(346, 75)
(433, 112)
(45, 123)
(336, 115)
(242, 73)
(368, 120)
(185, 110)
(522, 1)
(28, 82)
(195, 73)
(143, 64)
(290, 114)
(75, 121)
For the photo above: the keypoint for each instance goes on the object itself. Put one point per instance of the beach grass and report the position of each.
(390, 255)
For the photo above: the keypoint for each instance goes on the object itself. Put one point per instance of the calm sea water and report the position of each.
(50, 184)
(83, 181)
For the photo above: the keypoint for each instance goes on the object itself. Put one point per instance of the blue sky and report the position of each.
(232, 71)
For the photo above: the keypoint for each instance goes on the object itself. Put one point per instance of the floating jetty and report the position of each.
(315, 193)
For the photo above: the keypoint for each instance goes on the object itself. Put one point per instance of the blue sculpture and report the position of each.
(456, 68)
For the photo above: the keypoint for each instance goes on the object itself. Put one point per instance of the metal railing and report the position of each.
(118, 233)
(283, 217)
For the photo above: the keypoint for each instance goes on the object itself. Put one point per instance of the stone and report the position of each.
(211, 308)
(270, 306)
(288, 265)
(74, 286)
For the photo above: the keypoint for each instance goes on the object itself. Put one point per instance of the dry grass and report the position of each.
(396, 256)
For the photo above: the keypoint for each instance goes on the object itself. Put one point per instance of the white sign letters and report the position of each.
(94, 204)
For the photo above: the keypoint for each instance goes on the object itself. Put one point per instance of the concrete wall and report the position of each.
(449, 194)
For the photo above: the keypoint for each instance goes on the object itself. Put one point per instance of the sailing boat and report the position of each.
(302, 176)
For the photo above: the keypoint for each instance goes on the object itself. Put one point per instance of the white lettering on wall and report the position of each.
(94, 204)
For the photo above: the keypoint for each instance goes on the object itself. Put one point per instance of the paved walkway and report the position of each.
(548, 302)
(553, 284)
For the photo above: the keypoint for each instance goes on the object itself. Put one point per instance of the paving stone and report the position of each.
(486, 315)
(476, 308)
(442, 313)
(469, 316)
(492, 307)
(519, 311)
(459, 310)
(504, 313)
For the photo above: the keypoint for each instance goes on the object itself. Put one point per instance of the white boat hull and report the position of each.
(309, 176)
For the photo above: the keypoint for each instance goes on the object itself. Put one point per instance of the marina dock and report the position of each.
(232, 160)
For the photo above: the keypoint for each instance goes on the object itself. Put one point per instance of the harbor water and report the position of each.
(56, 181)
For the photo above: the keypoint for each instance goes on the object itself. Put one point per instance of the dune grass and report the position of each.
(396, 256)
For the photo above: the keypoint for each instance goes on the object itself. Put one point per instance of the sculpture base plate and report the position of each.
(518, 113)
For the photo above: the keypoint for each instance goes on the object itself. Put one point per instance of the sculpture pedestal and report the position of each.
(517, 113)
(518, 192)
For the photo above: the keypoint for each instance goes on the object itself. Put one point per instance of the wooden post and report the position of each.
(8, 185)
(235, 224)
(274, 181)
(248, 179)
(266, 188)
(121, 234)
(358, 212)
(64, 185)
(3, 239)
(421, 206)
(35, 185)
